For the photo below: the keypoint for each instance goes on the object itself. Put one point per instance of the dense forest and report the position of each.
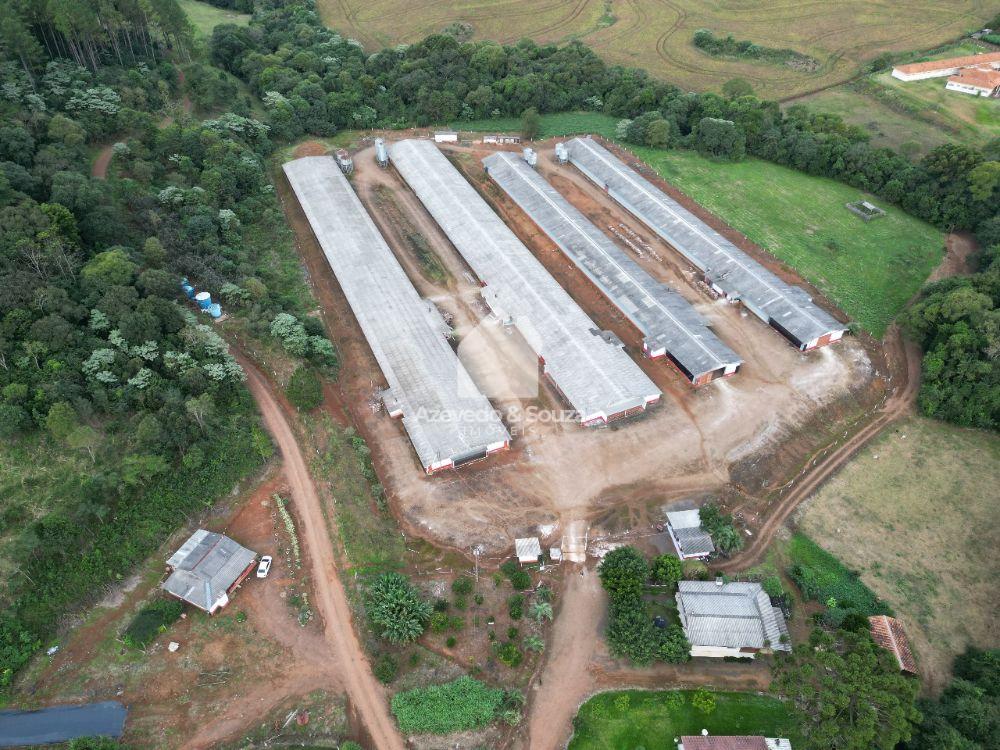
(102, 365)
(100, 357)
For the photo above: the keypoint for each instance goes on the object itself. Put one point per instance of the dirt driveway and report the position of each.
(351, 664)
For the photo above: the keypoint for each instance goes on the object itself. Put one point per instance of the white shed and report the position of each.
(528, 550)
(445, 136)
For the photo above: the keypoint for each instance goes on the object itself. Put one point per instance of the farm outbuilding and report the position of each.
(730, 619)
(206, 569)
(528, 550)
(586, 365)
(447, 418)
(445, 136)
(670, 325)
(726, 269)
(947, 67)
(732, 742)
(690, 540)
(888, 632)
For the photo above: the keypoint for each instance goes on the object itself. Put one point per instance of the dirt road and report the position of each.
(564, 682)
(817, 471)
(364, 693)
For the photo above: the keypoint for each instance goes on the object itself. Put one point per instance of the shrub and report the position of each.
(541, 611)
(704, 700)
(534, 643)
(543, 593)
(456, 623)
(478, 598)
(694, 570)
(513, 632)
(463, 704)
(508, 653)
(304, 391)
(461, 603)
(520, 580)
(350, 745)
(666, 569)
(438, 622)
(623, 571)
(772, 587)
(441, 605)
(386, 668)
(509, 568)
(451, 641)
(152, 620)
(396, 609)
(622, 703)
(515, 606)
(462, 585)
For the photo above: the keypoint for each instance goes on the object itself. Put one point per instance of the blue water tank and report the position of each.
(215, 310)
(204, 299)
(188, 290)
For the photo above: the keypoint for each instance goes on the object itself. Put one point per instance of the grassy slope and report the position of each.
(650, 723)
(205, 17)
(915, 514)
(944, 116)
(802, 221)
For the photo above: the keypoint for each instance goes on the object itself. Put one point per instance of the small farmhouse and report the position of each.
(889, 634)
(528, 550)
(730, 619)
(206, 569)
(690, 540)
(721, 742)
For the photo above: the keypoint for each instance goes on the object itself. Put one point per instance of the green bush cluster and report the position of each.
(460, 705)
(822, 577)
(728, 46)
(152, 620)
(396, 608)
(631, 633)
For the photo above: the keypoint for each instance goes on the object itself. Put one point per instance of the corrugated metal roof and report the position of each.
(205, 566)
(593, 373)
(664, 316)
(734, 615)
(728, 267)
(949, 63)
(694, 541)
(684, 519)
(528, 548)
(444, 413)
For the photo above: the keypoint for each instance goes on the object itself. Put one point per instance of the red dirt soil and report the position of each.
(364, 693)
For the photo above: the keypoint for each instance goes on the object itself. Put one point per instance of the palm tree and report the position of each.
(534, 643)
(541, 611)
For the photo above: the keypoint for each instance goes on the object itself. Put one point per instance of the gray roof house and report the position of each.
(689, 538)
(730, 619)
(206, 568)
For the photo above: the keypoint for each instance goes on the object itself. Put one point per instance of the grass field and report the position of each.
(802, 220)
(657, 35)
(36, 478)
(564, 123)
(205, 17)
(918, 112)
(915, 514)
(652, 719)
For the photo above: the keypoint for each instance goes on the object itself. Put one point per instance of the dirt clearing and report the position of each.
(915, 513)
(559, 472)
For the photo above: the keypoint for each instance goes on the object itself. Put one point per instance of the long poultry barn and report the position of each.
(670, 325)
(586, 365)
(726, 268)
(447, 418)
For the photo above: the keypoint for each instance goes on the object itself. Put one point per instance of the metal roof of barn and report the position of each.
(528, 548)
(733, 615)
(666, 319)
(728, 267)
(205, 567)
(443, 412)
(590, 369)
